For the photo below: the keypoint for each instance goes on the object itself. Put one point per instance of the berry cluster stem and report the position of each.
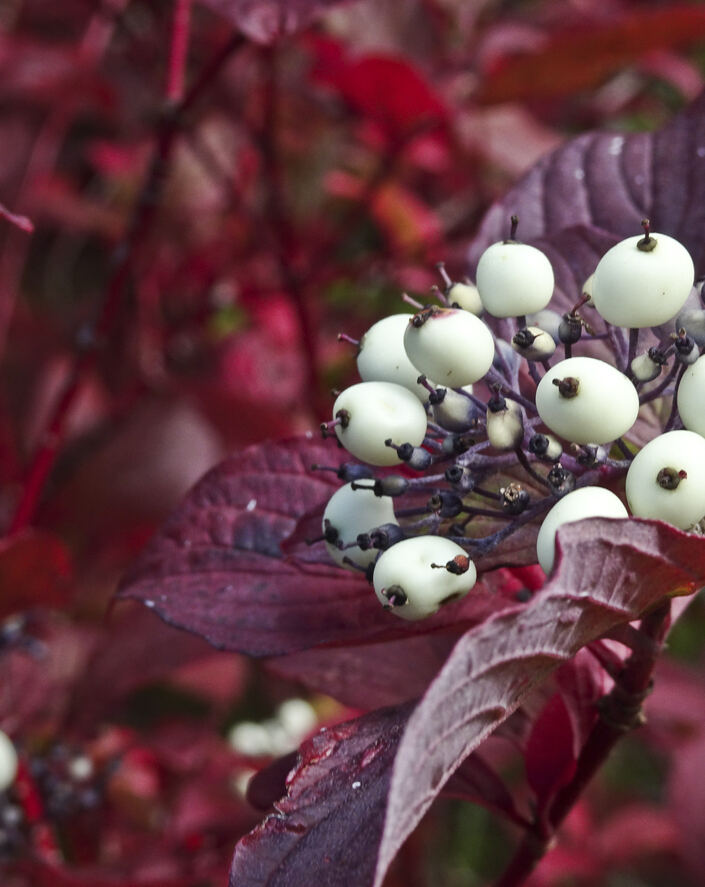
(619, 712)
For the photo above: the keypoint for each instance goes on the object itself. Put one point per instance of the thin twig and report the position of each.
(122, 261)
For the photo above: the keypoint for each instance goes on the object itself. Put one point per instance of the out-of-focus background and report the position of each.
(212, 202)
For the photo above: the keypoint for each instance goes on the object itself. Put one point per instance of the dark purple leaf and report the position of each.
(477, 782)
(551, 751)
(326, 829)
(370, 676)
(269, 783)
(581, 683)
(266, 21)
(596, 189)
(609, 572)
(216, 567)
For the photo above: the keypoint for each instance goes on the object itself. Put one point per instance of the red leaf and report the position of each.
(478, 783)
(581, 683)
(609, 572)
(266, 21)
(578, 58)
(216, 566)
(35, 569)
(551, 751)
(389, 91)
(326, 828)
(686, 793)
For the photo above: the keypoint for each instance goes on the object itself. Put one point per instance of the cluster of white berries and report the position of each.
(467, 392)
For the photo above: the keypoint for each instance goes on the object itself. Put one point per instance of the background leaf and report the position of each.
(324, 831)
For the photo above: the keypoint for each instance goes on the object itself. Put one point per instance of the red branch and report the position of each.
(178, 54)
(123, 259)
(620, 711)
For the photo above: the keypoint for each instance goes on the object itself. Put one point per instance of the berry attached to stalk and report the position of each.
(643, 281)
(350, 511)
(585, 400)
(412, 579)
(381, 356)
(514, 279)
(369, 413)
(449, 345)
(666, 479)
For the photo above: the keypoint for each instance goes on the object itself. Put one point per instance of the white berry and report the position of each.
(370, 413)
(645, 368)
(533, 343)
(382, 357)
(504, 423)
(691, 397)
(405, 581)
(634, 287)
(465, 296)
(666, 479)
(449, 345)
(8, 762)
(350, 512)
(583, 503)
(514, 279)
(594, 402)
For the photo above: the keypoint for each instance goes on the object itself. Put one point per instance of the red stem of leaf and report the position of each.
(123, 259)
(282, 231)
(620, 712)
(180, 34)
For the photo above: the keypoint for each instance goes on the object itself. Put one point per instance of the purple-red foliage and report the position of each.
(195, 197)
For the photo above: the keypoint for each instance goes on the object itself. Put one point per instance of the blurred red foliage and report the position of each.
(194, 199)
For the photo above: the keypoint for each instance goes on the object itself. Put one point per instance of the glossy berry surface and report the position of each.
(383, 358)
(450, 346)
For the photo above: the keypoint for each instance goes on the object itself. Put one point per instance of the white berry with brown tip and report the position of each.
(382, 357)
(449, 345)
(514, 279)
(585, 400)
(666, 479)
(369, 413)
(351, 511)
(415, 577)
(643, 280)
(578, 505)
